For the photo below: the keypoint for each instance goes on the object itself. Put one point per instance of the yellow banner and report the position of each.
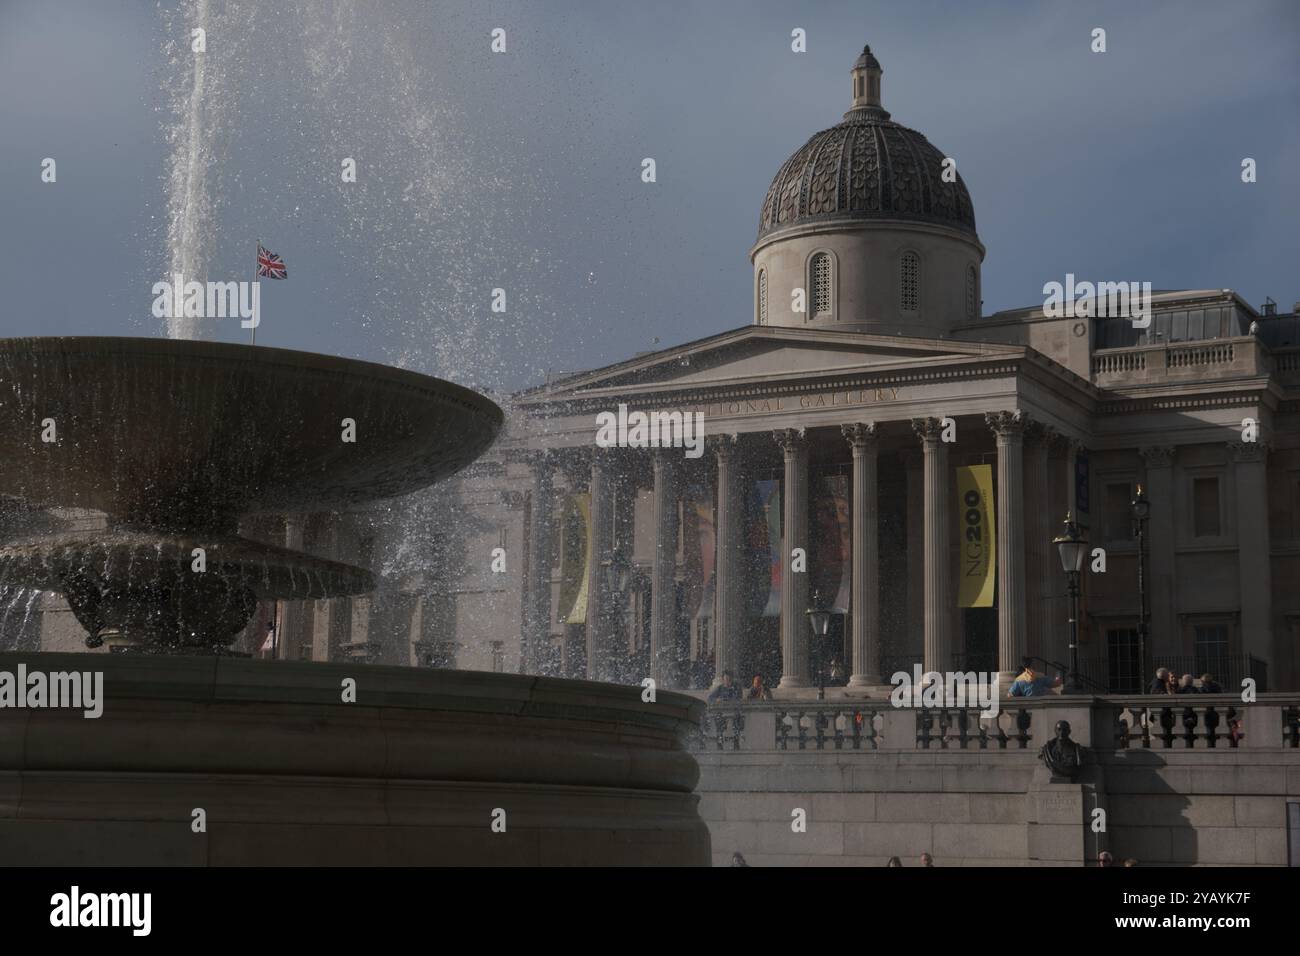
(977, 536)
(575, 559)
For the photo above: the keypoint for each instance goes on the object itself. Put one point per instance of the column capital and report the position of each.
(1249, 452)
(1058, 444)
(861, 436)
(724, 446)
(1007, 425)
(1037, 434)
(791, 440)
(928, 429)
(513, 500)
(1158, 456)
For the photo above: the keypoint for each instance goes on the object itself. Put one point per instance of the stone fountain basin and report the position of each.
(267, 570)
(286, 773)
(165, 433)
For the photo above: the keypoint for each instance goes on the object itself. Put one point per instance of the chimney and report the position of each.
(1270, 307)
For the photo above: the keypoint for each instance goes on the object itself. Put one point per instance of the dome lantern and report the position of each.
(866, 84)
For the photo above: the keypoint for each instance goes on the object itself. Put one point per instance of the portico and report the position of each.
(790, 407)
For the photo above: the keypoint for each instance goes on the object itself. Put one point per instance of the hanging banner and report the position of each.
(700, 545)
(764, 540)
(976, 534)
(831, 543)
(575, 559)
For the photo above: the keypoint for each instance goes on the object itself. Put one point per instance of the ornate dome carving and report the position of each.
(868, 167)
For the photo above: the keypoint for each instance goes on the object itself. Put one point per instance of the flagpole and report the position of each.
(258, 317)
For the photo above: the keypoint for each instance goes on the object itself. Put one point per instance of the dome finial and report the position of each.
(866, 81)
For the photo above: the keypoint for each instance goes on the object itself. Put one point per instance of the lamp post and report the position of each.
(1141, 512)
(819, 618)
(1072, 547)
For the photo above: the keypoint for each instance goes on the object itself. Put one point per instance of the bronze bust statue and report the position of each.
(1061, 754)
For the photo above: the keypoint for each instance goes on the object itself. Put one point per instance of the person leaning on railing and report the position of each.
(1160, 683)
(1030, 683)
(727, 690)
(758, 690)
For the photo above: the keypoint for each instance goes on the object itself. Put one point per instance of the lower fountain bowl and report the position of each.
(426, 767)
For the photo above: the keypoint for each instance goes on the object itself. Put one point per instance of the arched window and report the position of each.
(972, 294)
(762, 297)
(910, 282)
(820, 272)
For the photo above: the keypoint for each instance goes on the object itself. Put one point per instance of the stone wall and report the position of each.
(978, 807)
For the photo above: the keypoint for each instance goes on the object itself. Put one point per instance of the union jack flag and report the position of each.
(270, 265)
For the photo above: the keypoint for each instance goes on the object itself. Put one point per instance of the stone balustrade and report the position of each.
(1112, 723)
(1177, 361)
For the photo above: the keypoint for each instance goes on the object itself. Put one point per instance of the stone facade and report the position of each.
(987, 802)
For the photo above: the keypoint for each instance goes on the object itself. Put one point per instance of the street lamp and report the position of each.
(1072, 547)
(819, 619)
(1141, 512)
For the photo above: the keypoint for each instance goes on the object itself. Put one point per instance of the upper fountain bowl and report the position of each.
(186, 434)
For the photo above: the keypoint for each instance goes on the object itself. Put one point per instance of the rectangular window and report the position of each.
(1119, 511)
(1123, 666)
(1211, 650)
(1205, 508)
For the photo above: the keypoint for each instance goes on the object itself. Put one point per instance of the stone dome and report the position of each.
(866, 168)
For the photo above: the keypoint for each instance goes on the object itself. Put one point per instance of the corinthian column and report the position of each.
(1038, 512)
(1009, 429)
(939, 597)
(537, 619)
(729, 607)
(794, 534)
(865, 610)
(663, 570)
(602, 529)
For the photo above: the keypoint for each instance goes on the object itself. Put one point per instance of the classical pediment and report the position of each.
(756, 354)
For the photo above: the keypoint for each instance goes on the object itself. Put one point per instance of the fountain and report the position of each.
(285, 762)
(175, 440)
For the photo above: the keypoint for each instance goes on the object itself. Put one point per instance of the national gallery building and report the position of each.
(922, 455)
(878, 449)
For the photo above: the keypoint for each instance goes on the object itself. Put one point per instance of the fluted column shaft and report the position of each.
(602, 530)
(865, 611)
(729, 597)
(1039, 513)
(1009, 428)
(663, 570)
(537, 633)
(794, 534)
(939, 597)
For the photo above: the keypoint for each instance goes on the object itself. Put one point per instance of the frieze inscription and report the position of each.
(787, 403)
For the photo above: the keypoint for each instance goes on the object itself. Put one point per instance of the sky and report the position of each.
(522, 170)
